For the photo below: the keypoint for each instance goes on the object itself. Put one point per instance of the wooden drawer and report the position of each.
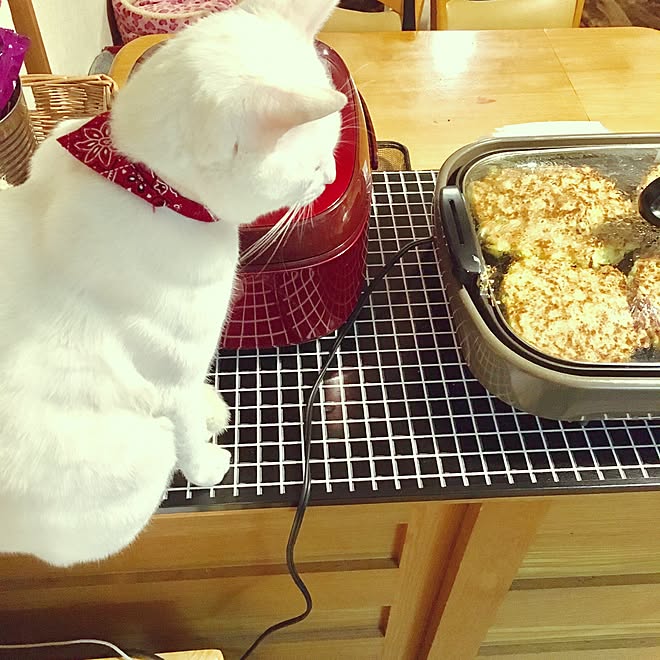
(574, 618)
(346, 648)
(219, 579)
(597, 535)
(226, 612)
(644, 653)
(191, 581)
(235, 539)
(588, 585)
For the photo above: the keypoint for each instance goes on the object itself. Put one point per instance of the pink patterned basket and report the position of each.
(138, 18)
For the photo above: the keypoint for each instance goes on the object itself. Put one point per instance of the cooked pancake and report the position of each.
(555, 212)
(571, 312)
(653, 174)
(644, 292)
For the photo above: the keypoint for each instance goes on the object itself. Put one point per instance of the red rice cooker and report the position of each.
(308, 286)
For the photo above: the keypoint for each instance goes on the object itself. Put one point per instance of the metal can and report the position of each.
(17, 140)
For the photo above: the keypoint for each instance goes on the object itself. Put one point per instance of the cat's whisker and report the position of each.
(284, 233)
(284, 236)
(306, 214)
(365, 83)
(259, 245)
(273, 234)
(300, 216)
(346, 83)
(268, 238)
(275, 237)
(305, 218)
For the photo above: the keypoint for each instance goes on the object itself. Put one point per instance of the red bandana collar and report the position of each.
(91, 144)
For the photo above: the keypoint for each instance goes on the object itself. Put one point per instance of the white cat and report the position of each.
(110, 310)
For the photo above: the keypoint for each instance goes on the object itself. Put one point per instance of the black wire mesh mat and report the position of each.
(400, 415)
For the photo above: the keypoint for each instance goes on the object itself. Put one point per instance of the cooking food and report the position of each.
(555, 211)
(644, 292)
(571, 312)
(653, 174)
(648, 193)
(564, 229)
(524, 226)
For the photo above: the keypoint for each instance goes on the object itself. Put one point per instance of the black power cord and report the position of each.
(307, 444)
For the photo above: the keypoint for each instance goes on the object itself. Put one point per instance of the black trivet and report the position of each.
(402, 417)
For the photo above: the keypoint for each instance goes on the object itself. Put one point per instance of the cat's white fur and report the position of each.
(110, 311)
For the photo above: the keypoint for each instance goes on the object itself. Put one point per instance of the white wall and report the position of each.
(5, 16)
(73, 31)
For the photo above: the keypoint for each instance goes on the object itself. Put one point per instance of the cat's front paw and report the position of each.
(208, 466)
(218, 413)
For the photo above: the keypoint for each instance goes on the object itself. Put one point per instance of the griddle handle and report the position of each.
(649, 203)
(459, 233)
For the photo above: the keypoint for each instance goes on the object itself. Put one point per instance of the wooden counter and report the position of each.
(538, 578)
(442, 580)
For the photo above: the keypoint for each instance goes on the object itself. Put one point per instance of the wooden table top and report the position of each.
(438, 91)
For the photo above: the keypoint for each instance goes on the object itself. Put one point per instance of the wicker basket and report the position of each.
(60, 97)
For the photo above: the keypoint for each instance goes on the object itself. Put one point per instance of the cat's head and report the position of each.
(237, 111)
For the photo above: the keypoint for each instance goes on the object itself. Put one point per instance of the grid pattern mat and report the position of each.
(400, 416)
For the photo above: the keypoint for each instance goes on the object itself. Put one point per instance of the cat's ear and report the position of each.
(276, 111)
(283, 109)
(310, 15)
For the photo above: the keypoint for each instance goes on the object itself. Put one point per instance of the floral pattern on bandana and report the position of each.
(92, 145)
(97, 145)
